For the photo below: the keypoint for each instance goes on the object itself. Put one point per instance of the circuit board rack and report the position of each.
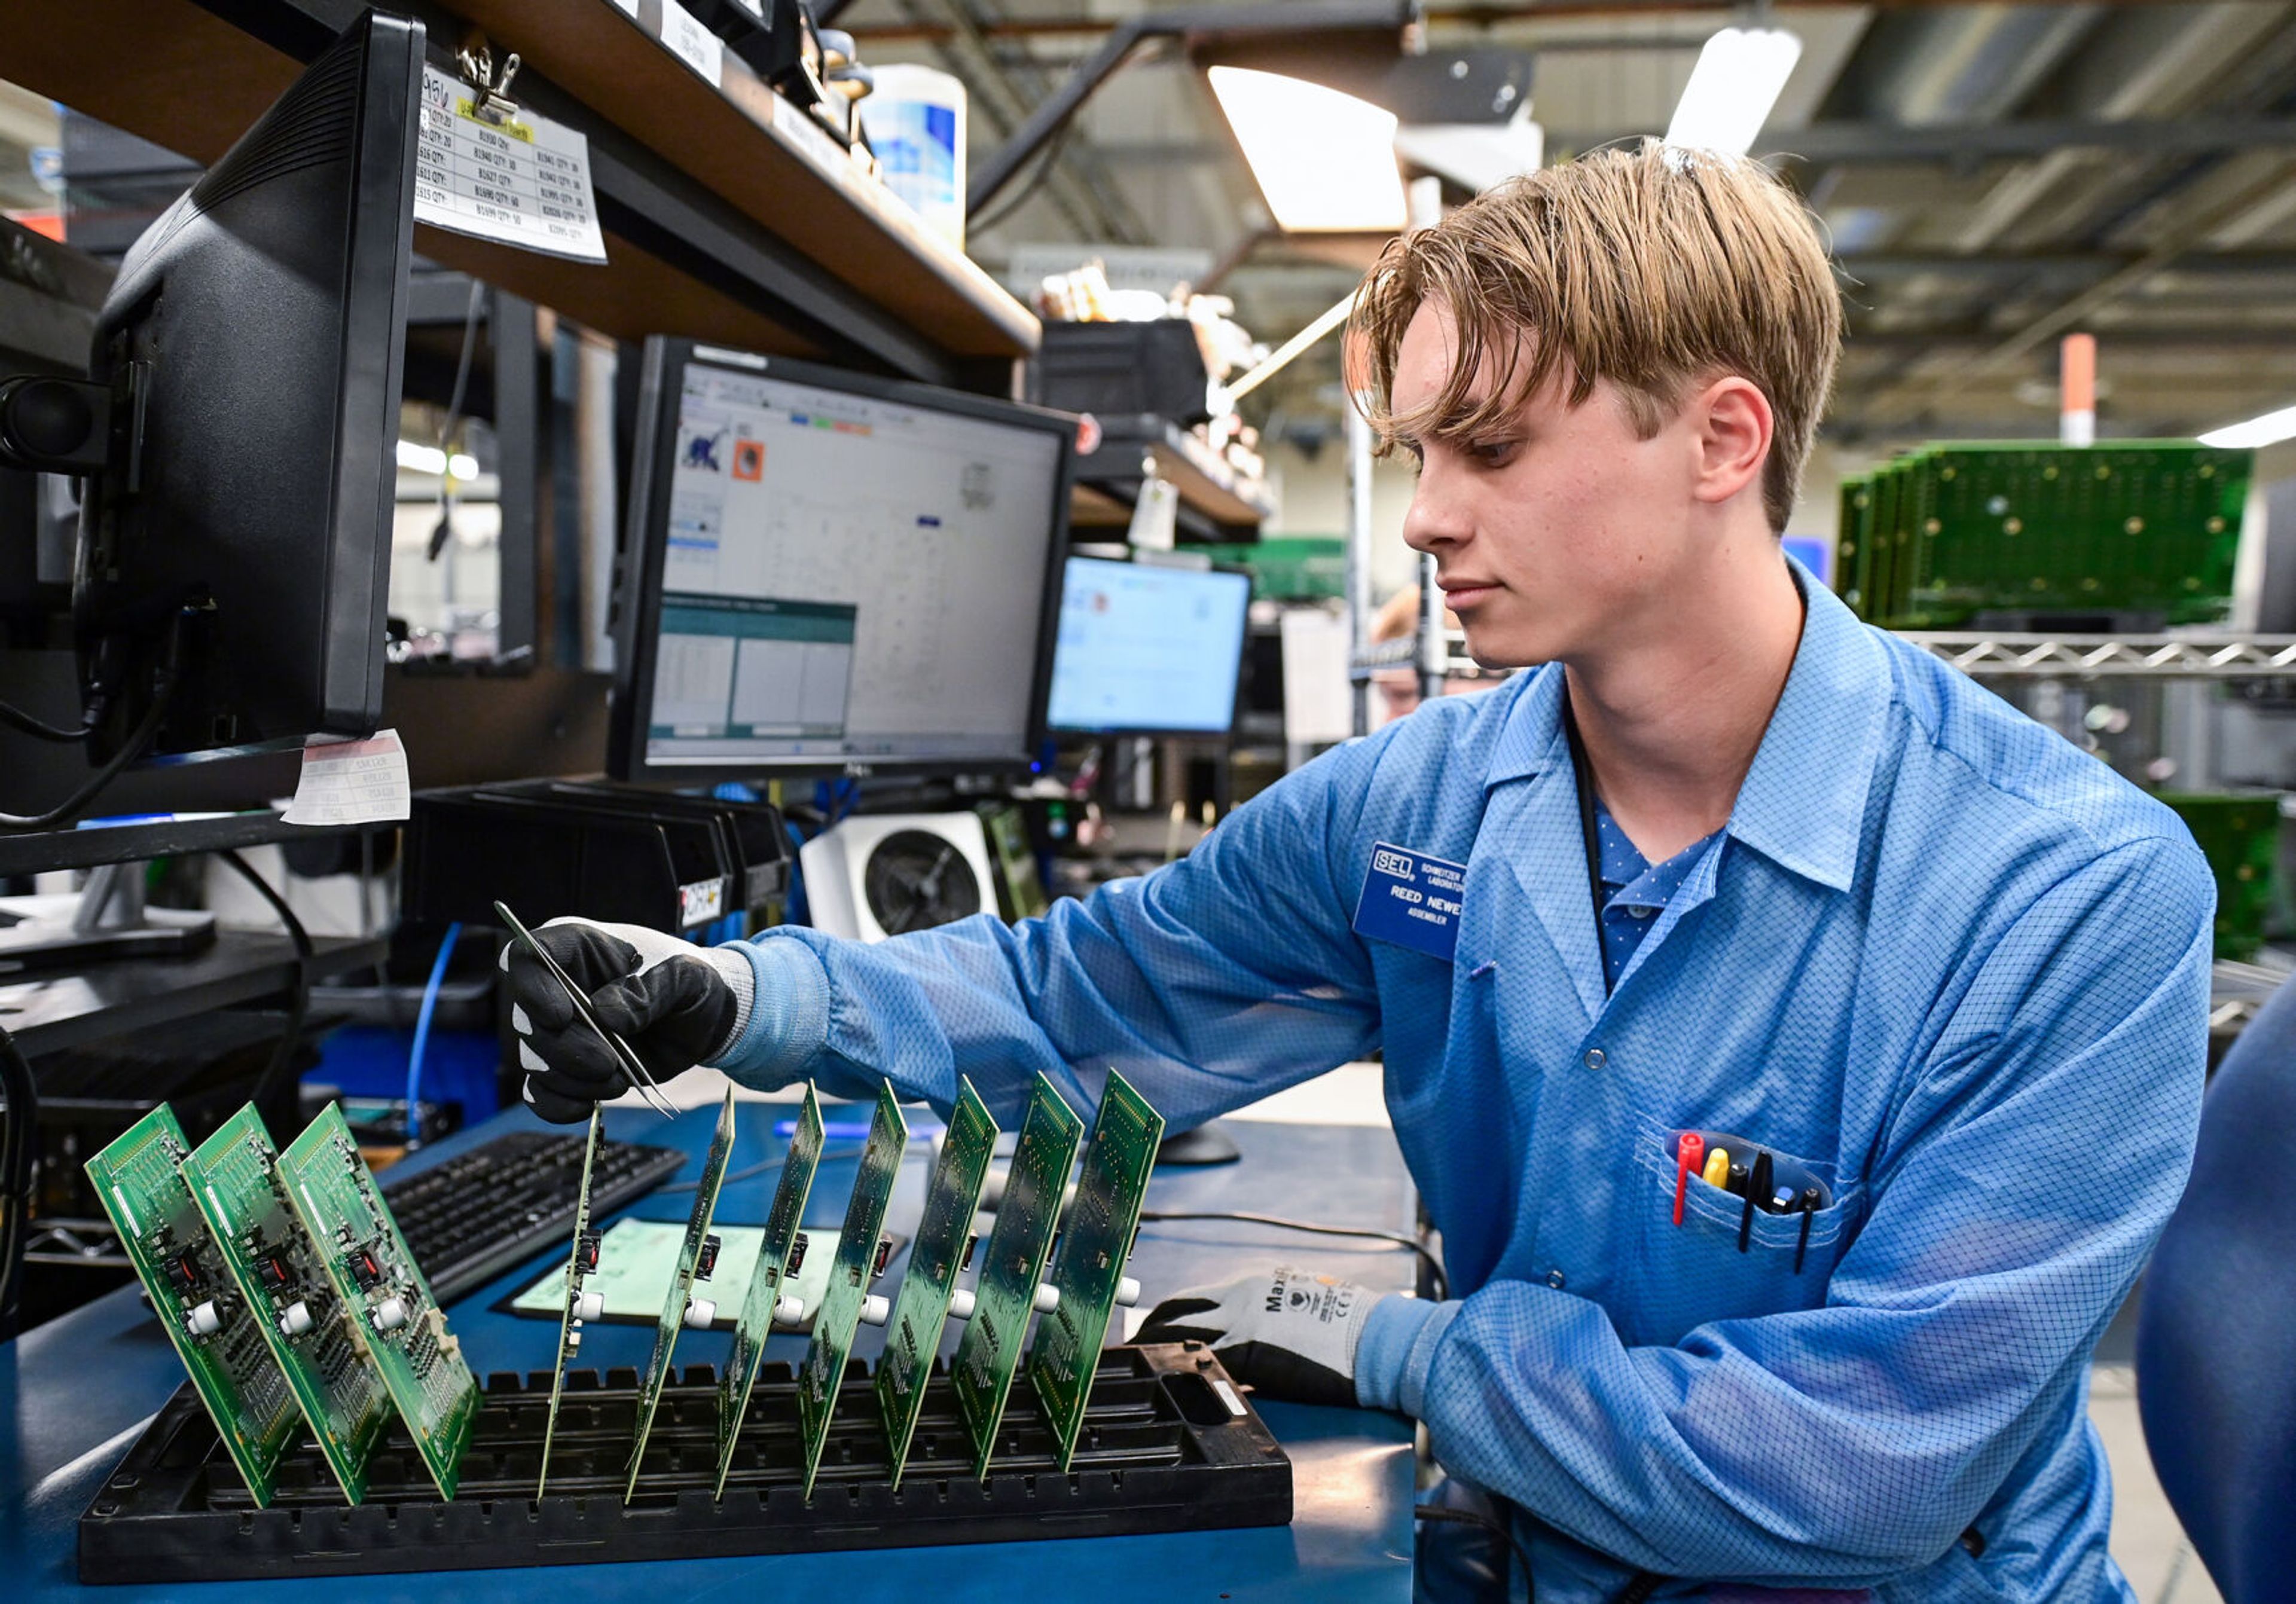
(1169, 1444)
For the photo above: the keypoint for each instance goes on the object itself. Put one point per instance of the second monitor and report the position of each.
(828, 572)
(1148, 651)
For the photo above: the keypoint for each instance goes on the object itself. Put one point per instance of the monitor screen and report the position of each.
(1148, 649)
(840, 571)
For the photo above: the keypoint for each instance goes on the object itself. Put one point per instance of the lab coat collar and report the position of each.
(1803, 803)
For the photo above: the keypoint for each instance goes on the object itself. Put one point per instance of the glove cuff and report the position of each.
(733, 968)
(785, 1020)
(1395, 1350)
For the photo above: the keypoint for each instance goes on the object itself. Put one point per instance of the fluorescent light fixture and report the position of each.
(1324, 160)
(1737, 81)
(2269, 429)
(429, 459)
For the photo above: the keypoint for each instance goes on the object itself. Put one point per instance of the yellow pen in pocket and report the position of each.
(1717, 1172)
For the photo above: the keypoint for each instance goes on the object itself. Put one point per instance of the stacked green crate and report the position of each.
(2137, 528)
(2239, 833)
(1853, 520)
(1289, 568)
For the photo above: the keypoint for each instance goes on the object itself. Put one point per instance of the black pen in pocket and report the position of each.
(1758, 1185)
(1809, 1202)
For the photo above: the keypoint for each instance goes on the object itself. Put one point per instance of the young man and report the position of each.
(1935, 978)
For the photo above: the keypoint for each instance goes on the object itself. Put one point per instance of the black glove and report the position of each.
(1290, 1335)
(677, 1004)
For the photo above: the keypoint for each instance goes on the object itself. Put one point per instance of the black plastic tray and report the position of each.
(1163, 1450)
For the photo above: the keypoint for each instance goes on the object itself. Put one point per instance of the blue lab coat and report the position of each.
(1942, 965)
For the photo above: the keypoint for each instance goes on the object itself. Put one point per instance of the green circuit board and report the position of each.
(1003, 1296)
(850, 1275)
(379, 1282)
(768, 1280)
(1094, 1244)
(690, 1269)
(580, 1260)
(217, 1335)
(322, 1353)
(943, 1246)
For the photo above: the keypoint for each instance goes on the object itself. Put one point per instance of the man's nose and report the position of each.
(1435, 519)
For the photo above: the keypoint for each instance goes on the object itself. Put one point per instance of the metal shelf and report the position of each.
(1130, 445)
(71, 1008)
(1998, 655)
(91, 845)
(2210, 655)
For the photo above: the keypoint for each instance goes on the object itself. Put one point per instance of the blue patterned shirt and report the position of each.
(1942, 962)
(1634, 890)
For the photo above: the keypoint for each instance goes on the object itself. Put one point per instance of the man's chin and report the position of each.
(1497, 645)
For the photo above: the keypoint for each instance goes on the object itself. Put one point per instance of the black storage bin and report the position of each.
(1120, 369)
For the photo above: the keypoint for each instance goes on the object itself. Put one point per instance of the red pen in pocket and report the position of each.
(1688, 1154)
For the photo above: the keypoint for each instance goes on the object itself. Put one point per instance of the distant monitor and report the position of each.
(829, 572)
(1148, 651)
(237, 438)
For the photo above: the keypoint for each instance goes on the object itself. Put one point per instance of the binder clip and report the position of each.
(491, 100)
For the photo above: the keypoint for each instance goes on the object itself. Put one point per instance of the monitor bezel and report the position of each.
(636, 605)
(1071, 734)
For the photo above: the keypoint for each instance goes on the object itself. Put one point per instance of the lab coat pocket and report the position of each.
(1684, 1276)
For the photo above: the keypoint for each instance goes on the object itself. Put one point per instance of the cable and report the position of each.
(282, 1057)
(439, 535)
(1036, 182)
(130, 750)
(1440, 1284)
(422, 1026)
(16, 719)
(18, 1148)
(1444, 1513)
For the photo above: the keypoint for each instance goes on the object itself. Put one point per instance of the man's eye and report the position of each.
(1493, 453)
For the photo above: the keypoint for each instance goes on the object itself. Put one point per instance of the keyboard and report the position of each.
(483, 1212)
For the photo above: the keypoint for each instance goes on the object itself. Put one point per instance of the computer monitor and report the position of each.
(237, 434)
(1148, 651)
(831, 573)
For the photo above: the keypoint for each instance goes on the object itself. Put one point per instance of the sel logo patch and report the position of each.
(1412, 900)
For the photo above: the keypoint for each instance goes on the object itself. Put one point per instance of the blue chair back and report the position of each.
(2216, 1334)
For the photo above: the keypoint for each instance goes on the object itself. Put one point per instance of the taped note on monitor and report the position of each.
(352, 783)
(523, 180)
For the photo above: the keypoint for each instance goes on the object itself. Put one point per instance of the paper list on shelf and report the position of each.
(352, 783)
(523, 181)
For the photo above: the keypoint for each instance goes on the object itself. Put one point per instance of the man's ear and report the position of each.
(1734, 424)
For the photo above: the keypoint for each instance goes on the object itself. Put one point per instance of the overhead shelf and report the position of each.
(728, 216)
(71, 1008)
(1132, 447)
(2199, 655)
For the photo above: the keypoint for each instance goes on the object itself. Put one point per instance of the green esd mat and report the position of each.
(943, 1246)
(319, 1348)
(679, 1302)
(1012, 1264)
(637, 1261)
(854, 1265)
(377, 1280)
(574, 1305)
(1090, 1267)
(217, 1332)
(768, 1283)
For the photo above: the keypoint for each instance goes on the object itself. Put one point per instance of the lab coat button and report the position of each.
(1595, 1059)
(1555, 1279)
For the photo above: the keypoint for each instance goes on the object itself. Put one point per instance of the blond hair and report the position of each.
(1649, 268)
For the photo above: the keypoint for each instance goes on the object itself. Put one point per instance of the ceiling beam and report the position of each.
(1856, 141)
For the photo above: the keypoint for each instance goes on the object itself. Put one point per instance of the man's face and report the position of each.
(1560, 527)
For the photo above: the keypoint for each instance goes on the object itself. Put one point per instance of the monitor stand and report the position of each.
(105, 919)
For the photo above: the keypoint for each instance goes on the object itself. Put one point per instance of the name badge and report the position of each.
(1412, 900)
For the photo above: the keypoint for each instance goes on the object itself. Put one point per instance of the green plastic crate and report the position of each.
(1289, 568)
(2121, 528)
(2239, 833)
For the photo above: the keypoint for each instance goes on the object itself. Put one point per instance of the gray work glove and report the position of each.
(1291, 1335)
(677, 1004)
